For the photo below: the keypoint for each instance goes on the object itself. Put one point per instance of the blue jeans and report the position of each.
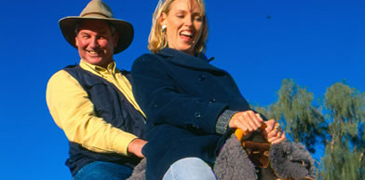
(100, 170)
(189, 169)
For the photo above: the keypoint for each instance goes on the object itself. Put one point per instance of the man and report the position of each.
(93, 102)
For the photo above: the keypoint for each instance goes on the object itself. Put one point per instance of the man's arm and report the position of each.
(135, 147)
(74, 113)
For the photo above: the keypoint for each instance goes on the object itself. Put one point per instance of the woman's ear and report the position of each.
(163, 18)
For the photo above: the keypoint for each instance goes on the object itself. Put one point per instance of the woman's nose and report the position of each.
(188, 21)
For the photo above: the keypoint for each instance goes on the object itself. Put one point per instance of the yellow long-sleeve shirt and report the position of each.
(74, 113)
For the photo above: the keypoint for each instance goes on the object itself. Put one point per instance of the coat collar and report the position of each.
(178, 57)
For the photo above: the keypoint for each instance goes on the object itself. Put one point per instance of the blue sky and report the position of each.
(260, 42)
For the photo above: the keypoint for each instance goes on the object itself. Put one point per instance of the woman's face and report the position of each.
(183, 25)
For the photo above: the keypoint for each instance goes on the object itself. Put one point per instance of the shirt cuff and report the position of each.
(121, 142)
(223, 121)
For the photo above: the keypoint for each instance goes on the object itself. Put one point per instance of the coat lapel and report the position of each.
(177, 57)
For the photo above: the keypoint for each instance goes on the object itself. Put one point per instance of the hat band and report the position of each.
(95, 13)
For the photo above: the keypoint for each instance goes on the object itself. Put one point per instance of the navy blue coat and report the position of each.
(182, 97)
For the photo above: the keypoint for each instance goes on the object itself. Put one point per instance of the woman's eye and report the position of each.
(198, 18)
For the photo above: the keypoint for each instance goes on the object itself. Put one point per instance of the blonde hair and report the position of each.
(156, 39)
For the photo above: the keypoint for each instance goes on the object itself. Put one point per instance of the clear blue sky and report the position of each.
(315, 42)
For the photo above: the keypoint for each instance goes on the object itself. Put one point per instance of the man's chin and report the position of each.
(94, 60)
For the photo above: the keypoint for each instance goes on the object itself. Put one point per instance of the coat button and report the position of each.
(212, 100)
(195, 126)
(197, 115)
(202, 77)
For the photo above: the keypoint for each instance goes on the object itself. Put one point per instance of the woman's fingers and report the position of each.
(278, 139)
(247, 121)
(269, 127)
(276, 135)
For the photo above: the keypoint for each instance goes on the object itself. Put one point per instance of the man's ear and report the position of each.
(76, 41)
(115, 38)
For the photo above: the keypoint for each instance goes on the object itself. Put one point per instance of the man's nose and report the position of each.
(94, 43)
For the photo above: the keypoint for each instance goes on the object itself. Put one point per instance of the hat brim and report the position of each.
(125, 30)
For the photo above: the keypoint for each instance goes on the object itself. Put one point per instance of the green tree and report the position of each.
(336, 123)
(295, 110)
(344, 153)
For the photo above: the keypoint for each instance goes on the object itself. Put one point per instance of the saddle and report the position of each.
(258, 152)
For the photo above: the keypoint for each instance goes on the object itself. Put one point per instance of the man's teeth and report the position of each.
(93, 52)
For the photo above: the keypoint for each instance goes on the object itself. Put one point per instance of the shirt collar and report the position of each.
(111, 68)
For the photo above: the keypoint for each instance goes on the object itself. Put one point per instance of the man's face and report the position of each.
(95, 42)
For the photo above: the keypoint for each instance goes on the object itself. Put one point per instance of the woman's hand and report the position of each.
(247, 121)
(273, 132)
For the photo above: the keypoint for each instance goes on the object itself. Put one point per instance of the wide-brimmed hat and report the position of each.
(98, 10)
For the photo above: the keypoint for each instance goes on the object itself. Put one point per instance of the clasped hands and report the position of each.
(246, 122)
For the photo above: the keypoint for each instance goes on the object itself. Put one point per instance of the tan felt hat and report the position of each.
(98, 10)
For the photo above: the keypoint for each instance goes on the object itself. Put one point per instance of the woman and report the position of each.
(191, 106)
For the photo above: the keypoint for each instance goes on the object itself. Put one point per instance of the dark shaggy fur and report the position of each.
(291, 160)
(233, 162)
(139, 171)
(287, 160)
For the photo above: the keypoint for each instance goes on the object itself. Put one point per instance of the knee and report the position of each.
(190, 168)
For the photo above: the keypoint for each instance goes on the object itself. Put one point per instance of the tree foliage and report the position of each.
(343, 158)
(336, 122)
(303, 121)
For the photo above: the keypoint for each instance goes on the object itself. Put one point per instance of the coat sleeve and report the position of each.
(162, 101)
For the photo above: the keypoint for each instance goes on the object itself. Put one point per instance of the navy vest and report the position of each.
(111, 105)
